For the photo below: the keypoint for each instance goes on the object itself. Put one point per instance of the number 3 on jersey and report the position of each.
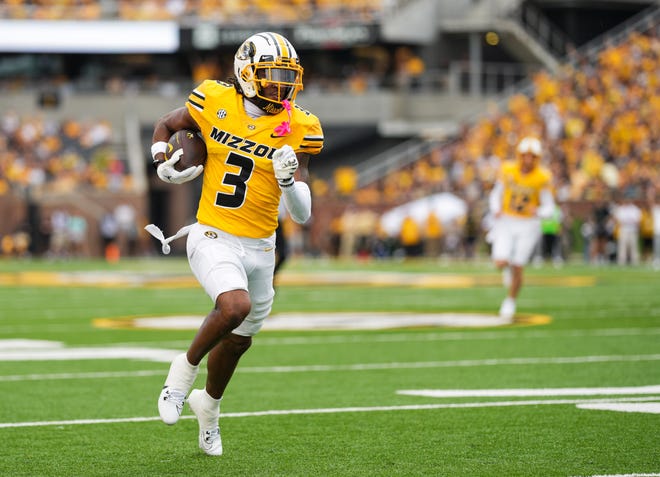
(236, 180)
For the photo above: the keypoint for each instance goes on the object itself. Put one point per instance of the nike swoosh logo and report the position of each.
(275, 137)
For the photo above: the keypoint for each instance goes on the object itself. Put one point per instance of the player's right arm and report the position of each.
(496, 196)
(167, 125)
(495, 199)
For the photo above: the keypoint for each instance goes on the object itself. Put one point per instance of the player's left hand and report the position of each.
(285, 164)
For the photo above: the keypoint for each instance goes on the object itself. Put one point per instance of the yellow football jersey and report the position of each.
(521, 195)
(240, 194)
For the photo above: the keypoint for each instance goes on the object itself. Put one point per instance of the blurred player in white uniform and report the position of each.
(521, 197)
(258, 144)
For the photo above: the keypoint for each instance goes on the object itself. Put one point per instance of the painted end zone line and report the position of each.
(286, 412)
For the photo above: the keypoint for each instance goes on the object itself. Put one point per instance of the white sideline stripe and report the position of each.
(547, 392)
(354, 367)
(336, 410)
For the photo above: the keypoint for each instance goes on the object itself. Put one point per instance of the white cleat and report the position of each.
(508, 308)
(210, 441)
(170, 405)
(209, 431)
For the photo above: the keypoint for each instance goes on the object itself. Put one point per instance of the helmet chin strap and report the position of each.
(265, 105)
(252, 109)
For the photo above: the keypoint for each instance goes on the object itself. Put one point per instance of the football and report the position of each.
(194, 149)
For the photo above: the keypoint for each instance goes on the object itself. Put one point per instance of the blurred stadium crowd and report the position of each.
(233, 11)
(598, 117)
(58, 156)
(600, 124)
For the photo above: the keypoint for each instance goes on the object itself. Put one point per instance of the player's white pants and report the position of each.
(222, 262)
(514, 239)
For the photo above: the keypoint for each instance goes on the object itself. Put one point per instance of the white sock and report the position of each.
(211, 410)
(182, 374)
(506, 277)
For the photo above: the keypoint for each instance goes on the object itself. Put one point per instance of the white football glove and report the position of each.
(168, 173)
(285, 164)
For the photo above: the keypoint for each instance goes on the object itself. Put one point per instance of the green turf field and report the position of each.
(571, 389)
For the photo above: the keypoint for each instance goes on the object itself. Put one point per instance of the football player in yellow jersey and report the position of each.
(258, 144)
(521, 197)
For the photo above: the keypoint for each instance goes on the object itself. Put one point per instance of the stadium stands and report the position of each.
(597, 113)
(598, 118)
(234, 12)
(47, 155)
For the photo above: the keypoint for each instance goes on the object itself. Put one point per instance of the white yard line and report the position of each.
(646, 407)
(452, 364)
(465, 363)
(89, 375)
(546, 392)
(263, 339)
(625, 475)
(337, 410)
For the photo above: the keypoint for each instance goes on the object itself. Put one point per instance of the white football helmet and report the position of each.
(268, 70)
(531, 145)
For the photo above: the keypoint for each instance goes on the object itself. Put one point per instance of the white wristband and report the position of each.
(160, 146)
(285, 183)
